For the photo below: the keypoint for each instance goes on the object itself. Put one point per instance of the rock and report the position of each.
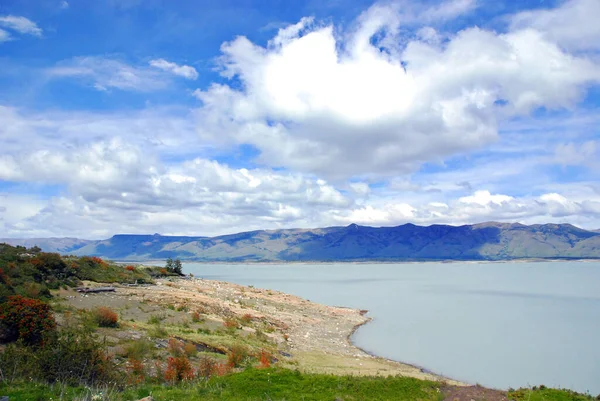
(149, 398)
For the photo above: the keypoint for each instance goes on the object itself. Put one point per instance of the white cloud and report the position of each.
(342, 121)
(339, 106)
(571, 154)
(4, 36)
(64, 5)
(479, 207)
(181, 70)
(20, 25)
(573, 25)
(108, 73)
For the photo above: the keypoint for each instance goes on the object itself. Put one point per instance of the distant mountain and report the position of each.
(60, 245)
(485, 241)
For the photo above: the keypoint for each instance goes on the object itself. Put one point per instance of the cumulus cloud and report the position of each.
(482, 206)
(182, 70)
(371, 103)
(113, 178)
(341, 122)
(573, 25)
(20, 24)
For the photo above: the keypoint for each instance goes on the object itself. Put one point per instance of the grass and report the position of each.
(543, 393)
(263, 384)
(273, 385)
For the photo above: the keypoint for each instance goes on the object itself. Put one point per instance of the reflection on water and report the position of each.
(498, 324)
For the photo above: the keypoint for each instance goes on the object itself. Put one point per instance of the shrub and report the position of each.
(190, 349)
(175, 347)
(105, 317)
(207, 367)
(236, 355)
(130, 268)
(135, 368)
(264, 358)
(246, 319)
(157, 331)
(139, 349)
(221, 369)
(73, 357)
(156, 319)
(178, 369)
(230, 323)
(29, 320)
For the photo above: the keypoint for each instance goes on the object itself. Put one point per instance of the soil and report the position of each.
(472, 393)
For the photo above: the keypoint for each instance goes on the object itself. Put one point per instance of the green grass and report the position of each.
(544, 394)
(275, 385)
(257, 384)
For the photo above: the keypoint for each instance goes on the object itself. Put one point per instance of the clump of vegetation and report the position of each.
(26, 319)
(178, 369)
(543, 393)
(31, 273)
(105, 317)
(237, 355)
(73, 356)
(139, 349)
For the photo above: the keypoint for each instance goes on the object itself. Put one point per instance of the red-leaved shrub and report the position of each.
(27, 319)
(236, 355)
(178, 369)
(130, 268)
(105, 317)
(264, 359)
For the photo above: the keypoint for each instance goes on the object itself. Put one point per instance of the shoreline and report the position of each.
(311, 337)
(422, 369)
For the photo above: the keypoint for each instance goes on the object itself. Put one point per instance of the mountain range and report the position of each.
(408, 242)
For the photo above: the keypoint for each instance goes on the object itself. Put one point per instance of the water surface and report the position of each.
(497, 324)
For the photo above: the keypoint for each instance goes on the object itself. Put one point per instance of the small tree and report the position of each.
(170, 266)
(177, 267)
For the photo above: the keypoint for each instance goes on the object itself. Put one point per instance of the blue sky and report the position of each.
(212, 117)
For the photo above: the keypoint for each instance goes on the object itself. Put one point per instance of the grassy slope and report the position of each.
(257, 384)
(275, 384)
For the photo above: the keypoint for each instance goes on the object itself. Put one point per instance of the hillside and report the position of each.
(485, 241)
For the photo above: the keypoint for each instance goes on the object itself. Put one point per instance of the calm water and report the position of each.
(498, 324)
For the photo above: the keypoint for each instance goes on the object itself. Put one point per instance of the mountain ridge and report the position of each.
(408, 242)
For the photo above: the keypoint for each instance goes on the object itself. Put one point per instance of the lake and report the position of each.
(497, 324)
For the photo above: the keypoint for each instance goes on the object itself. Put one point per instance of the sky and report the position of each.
(212, 117)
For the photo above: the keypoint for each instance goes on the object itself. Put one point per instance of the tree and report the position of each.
(170, 266)
(177, 267)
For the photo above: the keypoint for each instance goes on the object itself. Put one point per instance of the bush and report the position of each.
(73, 357)
(207, 367)
(139, 349)
(175, 347)
(246, 319)
(178, 369)
(26, 319)
(136, 370)
(130, 268)
(264, 358)
(105, 317)
(236, 355)
(230, 323)
(190, 349)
